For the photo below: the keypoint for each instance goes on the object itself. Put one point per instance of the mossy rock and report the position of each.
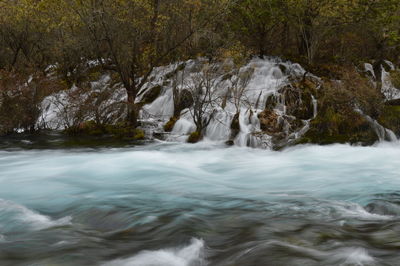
(194, 137)
(90, 128)
(329, 71)
(118, 131)
(331, 127)
(235, 125)
(305, 110)
(138, 134)
(171, 74)
(393, 102)
(124, 131)
(283, 68)
(269, 122)
(150, 95)
(271, 102)
(298, 98)
(235, 129)
(185, 100)
(94, 75)
(390, 118)
(169, 126)
(395, 78)
(229, 142)
(227, 76)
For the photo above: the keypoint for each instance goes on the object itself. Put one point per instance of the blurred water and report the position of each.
(188, 205)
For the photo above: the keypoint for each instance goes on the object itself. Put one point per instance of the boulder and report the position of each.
(194, 137)
(185, 100)
(151, 94)
(269, 122)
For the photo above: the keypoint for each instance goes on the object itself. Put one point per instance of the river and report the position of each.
(170, 204)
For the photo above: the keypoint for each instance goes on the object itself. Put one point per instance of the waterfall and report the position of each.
(245, 90)
(384, 134)
(387, 88)
(315, 106)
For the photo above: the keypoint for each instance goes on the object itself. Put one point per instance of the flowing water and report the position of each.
(167, 204)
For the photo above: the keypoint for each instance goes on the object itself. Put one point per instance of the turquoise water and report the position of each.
(188, 205)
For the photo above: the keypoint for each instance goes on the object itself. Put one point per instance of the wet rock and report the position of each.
(390, 118)
(272, 102)
(174, 72)
(332, 126)
(298, 98)
(386, 65)
(269, 122)
(160, 135)
(138, 134)
(383, 208)
(185, 100)
(194, 137)
(230, 143)
(235, 126)
(170, 124)
(151, 94)
(283, 68)
(393, 102)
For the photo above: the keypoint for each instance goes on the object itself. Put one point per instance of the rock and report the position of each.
(304, 109)
(138, 134)
(386, 66)
(298, 100)
(185, 100)
(230, 143)
(332, 126)
(171, 74)
(271, 102)
(393, 102)
(235, 126)
(269, 122)
(170, 124)
(283, 68)
(395, 78)
(194, 137)
(227, 76)
(151, 94)
(160, 135)
(328, 71)
(390, 118)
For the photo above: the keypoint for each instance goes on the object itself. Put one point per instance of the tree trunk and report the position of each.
(132, 112)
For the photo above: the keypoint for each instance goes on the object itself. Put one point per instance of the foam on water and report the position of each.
(307, 205)
(11, 212)
(191, 255)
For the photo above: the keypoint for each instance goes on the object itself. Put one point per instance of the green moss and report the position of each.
(151, 94)
(138, 134)
(170, 124)
(194, 137)
(333, 127)
(395, 78)
(94, 75)
(390, 118)
(90, 128)
(117, 131)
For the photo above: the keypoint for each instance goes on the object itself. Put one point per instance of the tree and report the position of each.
(256, 23)
(315, 20)
(132, 37)
(204, 87)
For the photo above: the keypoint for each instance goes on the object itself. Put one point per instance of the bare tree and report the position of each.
(203, 87)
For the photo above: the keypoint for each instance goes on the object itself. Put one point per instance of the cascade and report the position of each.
(384, 134)
(247, 91)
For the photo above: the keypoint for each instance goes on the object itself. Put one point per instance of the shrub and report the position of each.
(20, 99)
